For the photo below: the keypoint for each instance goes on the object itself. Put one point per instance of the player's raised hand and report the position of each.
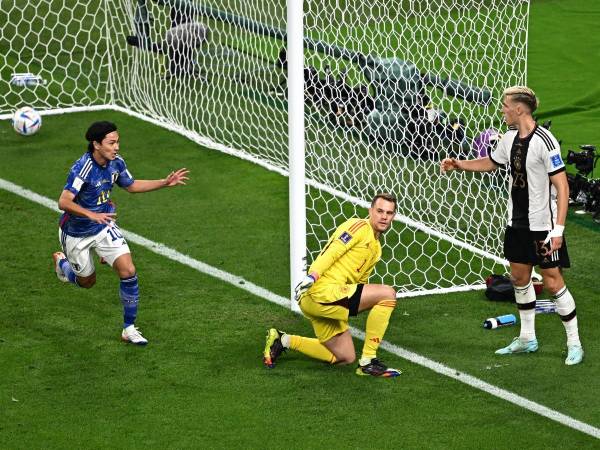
(104, 218)
(448, 164)
(177, 177)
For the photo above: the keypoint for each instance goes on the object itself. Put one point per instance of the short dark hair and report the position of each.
(385, 196)
(97, 132)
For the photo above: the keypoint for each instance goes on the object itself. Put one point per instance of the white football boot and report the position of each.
(132, 335)
(58, 257)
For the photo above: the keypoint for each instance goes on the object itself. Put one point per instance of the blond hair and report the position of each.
(522, 94)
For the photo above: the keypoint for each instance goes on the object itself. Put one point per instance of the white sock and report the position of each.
(364, 361)
(565, 305)
(285, 340)
(525, 295)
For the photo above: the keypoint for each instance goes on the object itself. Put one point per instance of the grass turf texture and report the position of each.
(200, 382)
(237, 105)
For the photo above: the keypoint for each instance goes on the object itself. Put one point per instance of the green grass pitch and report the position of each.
(67, 382)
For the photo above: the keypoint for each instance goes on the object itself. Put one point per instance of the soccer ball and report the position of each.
(26, 121)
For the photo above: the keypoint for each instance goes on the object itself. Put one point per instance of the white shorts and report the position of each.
(108, 244)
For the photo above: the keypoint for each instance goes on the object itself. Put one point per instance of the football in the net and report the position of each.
(26, 121)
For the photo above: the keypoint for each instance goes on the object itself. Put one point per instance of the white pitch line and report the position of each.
(252, 288)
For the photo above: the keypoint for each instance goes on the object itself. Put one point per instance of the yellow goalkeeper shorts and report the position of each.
(329, 307)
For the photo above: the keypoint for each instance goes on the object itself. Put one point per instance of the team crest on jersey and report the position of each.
(345, 237)
(556, 161)
(114, 177)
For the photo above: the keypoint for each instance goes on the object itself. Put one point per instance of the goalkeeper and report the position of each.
(336, 288)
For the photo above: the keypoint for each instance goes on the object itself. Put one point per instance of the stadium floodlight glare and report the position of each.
(347, 100)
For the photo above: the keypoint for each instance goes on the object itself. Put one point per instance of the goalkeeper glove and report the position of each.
(305, 285)
(557, 231)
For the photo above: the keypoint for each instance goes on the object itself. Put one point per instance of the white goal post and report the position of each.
(348, 99)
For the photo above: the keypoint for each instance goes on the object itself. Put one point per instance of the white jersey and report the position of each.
(531, 160)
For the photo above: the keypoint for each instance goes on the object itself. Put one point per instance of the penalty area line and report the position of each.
(258, 291)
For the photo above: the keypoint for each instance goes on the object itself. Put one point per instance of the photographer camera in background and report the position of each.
(584, 189)
(346, 105)
(181, 40)
(536, 216)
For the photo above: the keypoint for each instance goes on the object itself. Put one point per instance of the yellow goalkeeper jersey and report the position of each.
(349, 256)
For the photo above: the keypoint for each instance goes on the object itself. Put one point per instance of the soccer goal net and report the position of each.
(390, 88)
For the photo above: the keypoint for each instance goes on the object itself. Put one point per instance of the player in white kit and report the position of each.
(537, 210)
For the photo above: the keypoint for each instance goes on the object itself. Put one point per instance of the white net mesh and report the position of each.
(63, 44)
(391, 87)
(384, 114)
(216, 76)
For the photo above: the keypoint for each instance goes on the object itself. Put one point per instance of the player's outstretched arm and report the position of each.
(471, 165)
(448, 165)
(175, 178)
(66, 203)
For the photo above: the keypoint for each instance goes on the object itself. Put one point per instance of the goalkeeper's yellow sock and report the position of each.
(311, 347)
(377, 323)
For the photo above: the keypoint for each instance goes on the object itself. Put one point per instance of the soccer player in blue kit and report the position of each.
(88, 221)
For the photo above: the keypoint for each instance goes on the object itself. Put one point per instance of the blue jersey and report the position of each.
(92, 185)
